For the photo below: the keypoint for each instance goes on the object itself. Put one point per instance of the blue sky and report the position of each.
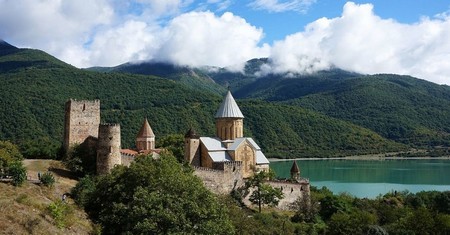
(279, 24)
(298, 36)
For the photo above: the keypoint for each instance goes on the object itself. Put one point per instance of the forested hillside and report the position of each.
(35, 87)
(400, 108)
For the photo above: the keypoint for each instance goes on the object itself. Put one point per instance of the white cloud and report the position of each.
(132, 41)
(362, 42)
(300, 6)
(202, 38)
(52, 25)
(108, 33)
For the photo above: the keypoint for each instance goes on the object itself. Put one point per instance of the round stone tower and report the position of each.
(108, 151)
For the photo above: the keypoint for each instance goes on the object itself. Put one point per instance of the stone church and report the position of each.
(229, 144)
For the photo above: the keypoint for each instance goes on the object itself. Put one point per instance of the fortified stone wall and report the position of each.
(291, 192)
(223, 179)
(127, 159)
(81, 121)
(108, 152)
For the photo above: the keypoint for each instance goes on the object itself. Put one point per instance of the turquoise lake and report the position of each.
(370, 178)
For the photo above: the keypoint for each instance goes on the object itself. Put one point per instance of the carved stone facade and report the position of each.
(229, 145)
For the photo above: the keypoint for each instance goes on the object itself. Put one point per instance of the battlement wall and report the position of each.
(291, 191)
(221, 181)
(127, 159)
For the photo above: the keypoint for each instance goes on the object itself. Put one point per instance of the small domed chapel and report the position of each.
(229, 145)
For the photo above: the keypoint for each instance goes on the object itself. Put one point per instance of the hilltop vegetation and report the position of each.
(35, 87)
(400, 108)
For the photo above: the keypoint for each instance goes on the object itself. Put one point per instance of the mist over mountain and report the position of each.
(402, 108)
(328, 113)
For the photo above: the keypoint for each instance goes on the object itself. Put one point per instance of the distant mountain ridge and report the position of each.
(401, 108)
(35, 87)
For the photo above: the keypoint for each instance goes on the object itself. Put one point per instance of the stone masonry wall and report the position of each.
(81, 121)
(108, 152)
(223, 179)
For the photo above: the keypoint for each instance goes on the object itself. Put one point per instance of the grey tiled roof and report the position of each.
(229, 108)
(261, 158)
(212, 144)
(218, 152)
(220, 156)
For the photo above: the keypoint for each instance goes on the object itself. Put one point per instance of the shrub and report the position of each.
(48, 179)
(59, 211)
(18, 173)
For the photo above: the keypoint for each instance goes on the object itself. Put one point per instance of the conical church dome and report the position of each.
(145, 131)
(229, 108)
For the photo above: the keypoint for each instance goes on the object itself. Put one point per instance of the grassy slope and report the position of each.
(23, 210)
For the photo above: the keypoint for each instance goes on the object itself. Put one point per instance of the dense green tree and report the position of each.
(40, 148)
(356, 222)
(81, 159)
(306, 209)
(155, 197)
(11, 163)
(262, 193)
(18, 173)
(9, 153)
(173, 143)
(83, 189)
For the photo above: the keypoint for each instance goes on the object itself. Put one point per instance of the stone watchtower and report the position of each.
(229, 120)
(191, 147)
(295, 172)
(145, 139)
(108, 151)
(81, 121)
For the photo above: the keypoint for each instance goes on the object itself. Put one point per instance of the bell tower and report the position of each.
(229, 119)
(145, 140)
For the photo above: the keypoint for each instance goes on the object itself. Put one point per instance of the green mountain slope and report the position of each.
(36, 86)
(191, 77)
(400, 108)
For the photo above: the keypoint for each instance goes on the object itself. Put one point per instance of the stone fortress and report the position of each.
(223, 162)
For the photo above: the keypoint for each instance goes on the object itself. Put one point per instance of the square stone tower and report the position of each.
(82, 119)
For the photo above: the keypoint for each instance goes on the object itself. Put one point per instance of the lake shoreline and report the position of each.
(362, 158)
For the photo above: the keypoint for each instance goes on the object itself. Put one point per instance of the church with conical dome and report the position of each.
(228, 146)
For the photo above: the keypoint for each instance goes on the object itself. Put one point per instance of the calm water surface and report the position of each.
(364, 178)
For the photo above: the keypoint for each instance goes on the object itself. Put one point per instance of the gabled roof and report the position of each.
(146, 131)
(219, 153)
(229, 108)
(238, 141)
(220, 156)
(261, 158)
(212, 144)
